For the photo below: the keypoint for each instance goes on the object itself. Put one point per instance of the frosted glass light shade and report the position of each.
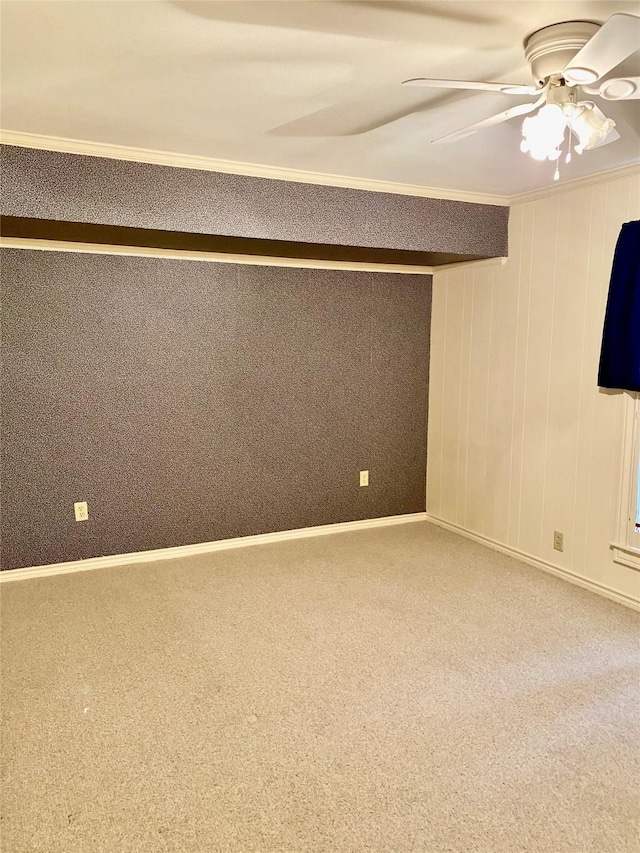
(590, 128)
(543, 133)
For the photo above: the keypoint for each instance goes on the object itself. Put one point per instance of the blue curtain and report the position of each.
(620, 354)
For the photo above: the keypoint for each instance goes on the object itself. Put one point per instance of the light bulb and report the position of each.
(543, 133)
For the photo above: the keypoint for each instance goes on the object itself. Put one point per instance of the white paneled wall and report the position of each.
(521, 440)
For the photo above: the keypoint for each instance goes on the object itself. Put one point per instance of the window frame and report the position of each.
(626, 548)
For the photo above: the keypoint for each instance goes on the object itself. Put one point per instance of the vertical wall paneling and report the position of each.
(536, 377)
(525, 285)
(463, 396)
(477, 415)
(451, 400)
(462, 482)
(582, 265)
(521, 296)
(526, 443)
(593, 286)
(436, 374)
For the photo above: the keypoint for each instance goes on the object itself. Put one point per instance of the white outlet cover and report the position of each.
(81, 511)
(364, 478)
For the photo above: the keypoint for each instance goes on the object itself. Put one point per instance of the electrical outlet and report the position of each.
(364, 478)
(558, 540)
(81, 510)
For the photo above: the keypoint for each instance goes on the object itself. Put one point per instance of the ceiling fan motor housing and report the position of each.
(550, 49)
(559, 93)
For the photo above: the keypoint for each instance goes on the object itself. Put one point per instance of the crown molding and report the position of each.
(628, 171)
(209, 164)
(280, 173)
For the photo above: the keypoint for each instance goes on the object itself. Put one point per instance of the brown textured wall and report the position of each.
(121, 235)
(52, 185)
(190, 401)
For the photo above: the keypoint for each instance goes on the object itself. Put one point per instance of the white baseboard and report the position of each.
(203, 547)
(551, 568)
(304, 533)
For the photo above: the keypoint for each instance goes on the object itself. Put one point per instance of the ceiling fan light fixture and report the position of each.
(568, 60)
(543, 133)
(590, 128)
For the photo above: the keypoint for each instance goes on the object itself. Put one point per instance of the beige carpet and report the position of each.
(401, 689)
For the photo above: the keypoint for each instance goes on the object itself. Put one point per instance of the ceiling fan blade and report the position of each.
(431, 10)
(520, 110)
(507, 88)
(406, 20)
(616, 39)
(619, 89)
(348, 118)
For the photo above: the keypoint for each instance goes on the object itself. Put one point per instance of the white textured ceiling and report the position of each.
(302, 84)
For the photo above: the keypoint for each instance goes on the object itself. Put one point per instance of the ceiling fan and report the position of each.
(566, 60)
